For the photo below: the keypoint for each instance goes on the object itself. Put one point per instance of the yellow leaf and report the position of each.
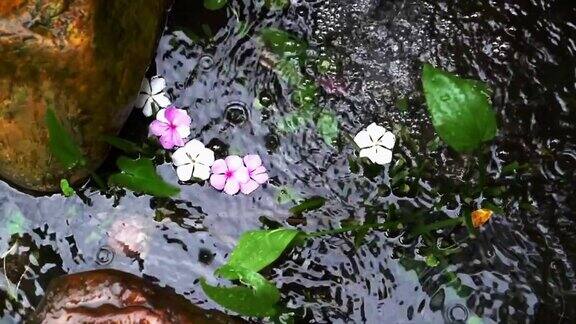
(481, 216)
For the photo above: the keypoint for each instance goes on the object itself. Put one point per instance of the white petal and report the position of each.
(161, 116)
(142, 100)
(363, 139)
(145, 87)
(388, 140)
(157, 84)
(162, 100)
(180, 157)
(206, 157)
(377, 154)
(185, 172)
(201, 172)
(183, 131)
(376, 131)
(147, 110)
(194, 148)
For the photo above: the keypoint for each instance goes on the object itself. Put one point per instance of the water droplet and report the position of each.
(272, 142)
(265, 99)
(105, 255)
(220, 148)
(458, 314)
(236, 113)
(206, 62)
(205, 256)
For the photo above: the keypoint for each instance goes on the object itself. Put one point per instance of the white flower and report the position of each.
(193, 160)
(376, 144)
(152, 93)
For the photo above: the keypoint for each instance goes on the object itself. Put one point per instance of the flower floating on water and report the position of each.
(129, 236)
(481, 216)
(376, 144)
(193, 160)
(172, 125)
(256, 171)
(229, 174)
(152, 94)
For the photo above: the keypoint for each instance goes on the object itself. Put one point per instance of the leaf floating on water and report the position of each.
(461, 109)
(257, 249)
(62, 144)
(140, 176)
(308, 205)
(481, 216)
(67, 190)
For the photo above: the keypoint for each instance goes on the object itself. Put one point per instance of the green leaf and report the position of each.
(122, 144)
(327, 126)
(214, 4)
(277, 4)
(461, 109)
(256, 250)
(282, 43)
(140, 176)
(308, 205)
(289, 70)
(67, 190)
(62, 144)
(259, 300)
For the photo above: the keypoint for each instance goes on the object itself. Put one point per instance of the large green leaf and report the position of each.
(256, 250)
(140, 176)
(61, 143)
(461, 109)
(259, 299)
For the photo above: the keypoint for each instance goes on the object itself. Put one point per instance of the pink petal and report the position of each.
(218, 181)
(241, 175)
(176, 139)
(232, 187)
(249, 187)
(260, 178)
(177, 117)
(158, 128)
(167, 141)
(219, 167)
(252, 161)
(234, 162)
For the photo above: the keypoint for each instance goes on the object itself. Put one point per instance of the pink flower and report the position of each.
(172, 125)
(257, 173)
(229, 174)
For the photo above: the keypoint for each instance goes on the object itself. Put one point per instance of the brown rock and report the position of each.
(83, 58)
(111, 296)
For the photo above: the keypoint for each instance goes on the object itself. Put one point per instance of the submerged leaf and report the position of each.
(256, 250)
(461, 110)
(282, 43)
(327, 126)
(140, 176)
(62, 144)
(214, 4)
(308, 205)
(122, 144)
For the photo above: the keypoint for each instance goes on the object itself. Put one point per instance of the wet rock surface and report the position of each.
(85, 59)
(111, 296)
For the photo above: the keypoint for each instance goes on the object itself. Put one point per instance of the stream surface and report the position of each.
(520, 268)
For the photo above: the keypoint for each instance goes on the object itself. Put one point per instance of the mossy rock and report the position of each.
(83, 58)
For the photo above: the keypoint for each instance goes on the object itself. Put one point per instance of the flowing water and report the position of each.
(520, 268)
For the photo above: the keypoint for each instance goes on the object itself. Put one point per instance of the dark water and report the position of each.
(519, 269)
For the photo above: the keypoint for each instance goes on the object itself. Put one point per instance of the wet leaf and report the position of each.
(259, 299)
(62, 144)
(286, 194)
(327, 126)
(214, 4)
(308, 205)
(461, 109)
(140, 176)
(122, 144)
(67, 190)
(256, 250)
(277, 4)
(432, 261)
(282, 43)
